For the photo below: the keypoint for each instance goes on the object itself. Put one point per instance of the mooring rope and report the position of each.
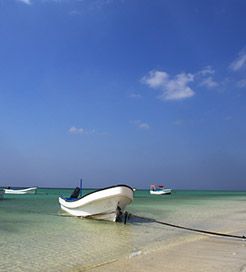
(128, 215)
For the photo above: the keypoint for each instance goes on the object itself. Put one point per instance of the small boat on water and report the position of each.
(104, 204)
(1, 194)
(27, 191)
(159, 190)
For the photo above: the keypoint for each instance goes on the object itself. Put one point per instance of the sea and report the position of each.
(36, 235)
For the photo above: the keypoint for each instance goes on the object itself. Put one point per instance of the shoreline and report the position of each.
(210, 254)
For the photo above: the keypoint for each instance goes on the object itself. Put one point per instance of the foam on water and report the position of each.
(136, 253)
(34, 237)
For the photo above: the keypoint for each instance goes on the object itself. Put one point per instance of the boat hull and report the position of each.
(105, 204)
(27, 191)
(161, 192)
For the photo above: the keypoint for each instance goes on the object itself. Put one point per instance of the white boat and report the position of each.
(159, 190)
(103, 204)
(27, 191)
(1, 194)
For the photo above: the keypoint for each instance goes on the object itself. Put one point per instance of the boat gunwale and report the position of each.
(98, 190)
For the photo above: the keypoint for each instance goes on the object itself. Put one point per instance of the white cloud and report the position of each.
(144, 126)
(140, 124)
(155, 79)
(240, 62)
(207, 70)
(205, 78)
(28, 2)
(173, 89)
(209, 82)
(74, 12)
(134, 95)
(179, 122)
(92, 3)
(76, 130)
(242, 83)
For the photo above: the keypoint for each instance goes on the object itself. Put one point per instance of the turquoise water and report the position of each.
(36, 236)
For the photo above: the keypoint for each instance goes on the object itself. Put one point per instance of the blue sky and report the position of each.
(134, 92)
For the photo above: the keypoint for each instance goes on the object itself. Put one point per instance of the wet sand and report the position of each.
(208, 254)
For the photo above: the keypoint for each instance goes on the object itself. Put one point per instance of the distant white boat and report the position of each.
(159, 190)
(27, 191)
(1, 194)
(103, 204)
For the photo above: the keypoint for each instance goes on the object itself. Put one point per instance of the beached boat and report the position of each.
(1, 194)
(103, 204)
(27, 191)
(159, 190)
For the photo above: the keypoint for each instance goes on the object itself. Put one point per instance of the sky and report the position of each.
(134, 92)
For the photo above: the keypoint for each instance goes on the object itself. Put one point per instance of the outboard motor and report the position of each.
(75, 193)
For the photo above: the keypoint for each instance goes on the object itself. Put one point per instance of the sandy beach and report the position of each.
(210, 254)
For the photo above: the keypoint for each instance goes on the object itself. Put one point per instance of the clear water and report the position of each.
(35, 236)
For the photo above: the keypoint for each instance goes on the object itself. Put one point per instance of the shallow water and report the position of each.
(35, 236)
